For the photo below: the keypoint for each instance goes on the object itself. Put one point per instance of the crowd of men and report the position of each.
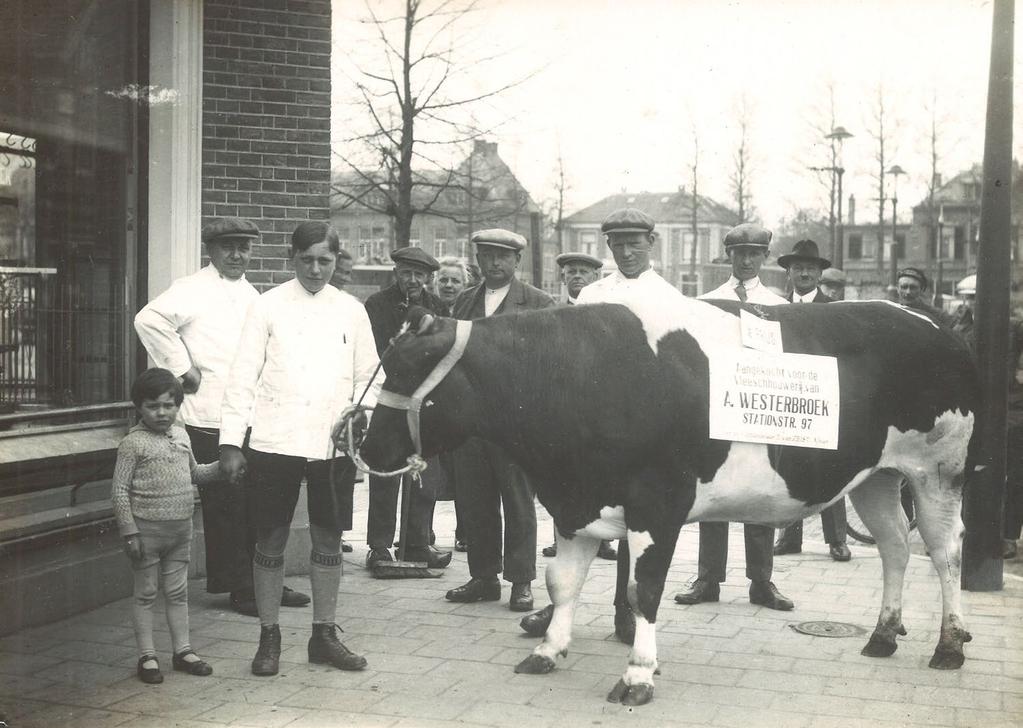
(267, 377)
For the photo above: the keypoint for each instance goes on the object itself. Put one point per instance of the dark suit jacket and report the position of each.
(387, 311)
(521, 297)
(821, 297)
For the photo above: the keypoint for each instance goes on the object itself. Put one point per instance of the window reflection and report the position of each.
(67, 201)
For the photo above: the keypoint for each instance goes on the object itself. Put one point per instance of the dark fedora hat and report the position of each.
(804, 250)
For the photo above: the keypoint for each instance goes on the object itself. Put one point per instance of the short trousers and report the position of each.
(164, 542)
(274, 481)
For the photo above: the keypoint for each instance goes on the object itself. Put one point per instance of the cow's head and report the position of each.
(413, 356)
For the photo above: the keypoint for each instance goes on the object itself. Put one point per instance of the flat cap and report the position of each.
(566, 258)
(499, 238)
(804, 250)
(627, 220)
(748, 233)
(834, 276)
(914, 273)
(229, 227)
(415, 256)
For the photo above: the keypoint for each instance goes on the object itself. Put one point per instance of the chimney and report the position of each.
(852, 210)
(481, 146)
(937, 180)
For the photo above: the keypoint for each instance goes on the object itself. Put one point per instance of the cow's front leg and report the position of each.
(565, 577)
(649, 563)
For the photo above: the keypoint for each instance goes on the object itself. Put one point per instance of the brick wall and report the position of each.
(266, 120)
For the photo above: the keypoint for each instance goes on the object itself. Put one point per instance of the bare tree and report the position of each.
(742, 163)
(934, 182)
(882, 129)
(414, 115)
(694, 175)
(561, 188)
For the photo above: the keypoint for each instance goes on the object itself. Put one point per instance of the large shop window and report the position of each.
(69, 204)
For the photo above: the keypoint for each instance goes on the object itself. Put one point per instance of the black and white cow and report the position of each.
(606, 407)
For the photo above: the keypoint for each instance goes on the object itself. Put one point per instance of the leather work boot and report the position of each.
(536, 624)
(839, 551)
(377, 555)
(701, 591)
(766, 594)
(476, 590)
(268, 655)
(326, 648)
(434, 558)
(292, 598)
(521, 599)
(787, 544)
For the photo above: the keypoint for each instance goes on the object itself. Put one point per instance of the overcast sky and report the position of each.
(620, 86)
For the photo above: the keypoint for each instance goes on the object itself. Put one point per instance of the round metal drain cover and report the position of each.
(829, 629)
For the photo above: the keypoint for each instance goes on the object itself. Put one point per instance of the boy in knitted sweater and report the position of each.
(153, 500)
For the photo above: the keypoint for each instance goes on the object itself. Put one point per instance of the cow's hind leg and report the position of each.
(565, 577)
(649, 564)
(938, 507)
(625, 618)
(877, 502)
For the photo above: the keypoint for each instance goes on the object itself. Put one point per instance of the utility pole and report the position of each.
(985, 493)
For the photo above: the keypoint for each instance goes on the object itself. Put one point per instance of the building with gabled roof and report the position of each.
(672, 212)
(481, 192)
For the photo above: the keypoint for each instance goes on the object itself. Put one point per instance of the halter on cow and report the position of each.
(606, 408)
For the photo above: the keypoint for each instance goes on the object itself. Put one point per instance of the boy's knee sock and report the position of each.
(325, 576)
(268, 582)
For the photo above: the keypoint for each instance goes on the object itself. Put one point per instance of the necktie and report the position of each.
(740, 291)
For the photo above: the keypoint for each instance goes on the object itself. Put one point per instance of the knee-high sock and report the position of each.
(325, 576)
(268, 582)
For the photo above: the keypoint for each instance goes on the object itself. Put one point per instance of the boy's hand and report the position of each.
(232, 463)
(134, 548)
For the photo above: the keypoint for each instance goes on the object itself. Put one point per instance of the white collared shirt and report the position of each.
(616, 288)
(301, 360)
(197, 322)
(804, 297)
(493, 298)
(756, 292)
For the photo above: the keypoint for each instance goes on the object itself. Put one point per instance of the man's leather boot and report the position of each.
(326, 648)
(268, 656)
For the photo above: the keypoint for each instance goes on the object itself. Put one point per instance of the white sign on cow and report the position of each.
(774, 399)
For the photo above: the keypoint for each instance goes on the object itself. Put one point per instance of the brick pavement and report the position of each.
(433, 663)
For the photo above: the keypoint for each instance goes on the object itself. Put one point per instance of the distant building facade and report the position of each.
(482, 192)
(674, 242)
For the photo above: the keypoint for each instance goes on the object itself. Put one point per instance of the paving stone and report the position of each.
(66, 715)
(248, 714)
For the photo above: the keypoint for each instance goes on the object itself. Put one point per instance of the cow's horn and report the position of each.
(424, 324)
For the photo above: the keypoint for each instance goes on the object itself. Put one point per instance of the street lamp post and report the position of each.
(895, 171)
(839, 134)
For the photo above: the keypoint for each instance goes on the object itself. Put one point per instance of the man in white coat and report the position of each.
(306, 354)
(192, 329)
(746, 246)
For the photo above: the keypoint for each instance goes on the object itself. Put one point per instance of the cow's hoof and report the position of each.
(535, 665)
(879, 647)
(639, 694)
(625, 627)
(946, 659)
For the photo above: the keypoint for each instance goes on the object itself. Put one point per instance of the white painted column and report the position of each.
(175, 141)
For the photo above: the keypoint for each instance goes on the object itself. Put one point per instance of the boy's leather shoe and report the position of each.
(268, 656)
(476, 590)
